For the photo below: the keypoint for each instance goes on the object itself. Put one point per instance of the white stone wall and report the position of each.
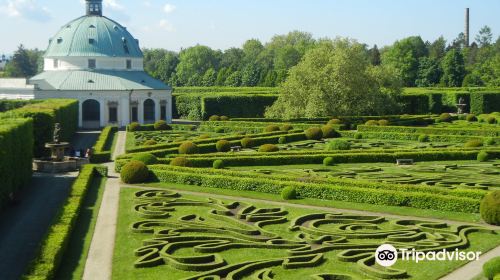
(102, 63)
(123, 99)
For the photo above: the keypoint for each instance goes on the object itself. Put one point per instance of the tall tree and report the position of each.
(484, 37)
(453, 68)
(429, 72)
(437, 49)
(374, 54)
(24, 63)
(404, 56)
(194, 62)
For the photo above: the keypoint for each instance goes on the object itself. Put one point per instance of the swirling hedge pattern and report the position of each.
(241, 225)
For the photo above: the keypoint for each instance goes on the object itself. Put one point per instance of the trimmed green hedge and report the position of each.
(102, 148)
(431, 130)
(413, 136)
(16, 155)
(52, 250)
(45, 114)
(7, 105)
(236, 105)
(484, 102)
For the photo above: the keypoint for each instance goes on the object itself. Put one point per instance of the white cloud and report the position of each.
(166, 25)
(147, 3)
(169, 8)
(28, 9)
(113, 5)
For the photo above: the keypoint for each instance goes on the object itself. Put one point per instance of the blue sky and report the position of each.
(220, 24)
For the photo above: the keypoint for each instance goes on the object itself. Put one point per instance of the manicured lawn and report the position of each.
(206, 222)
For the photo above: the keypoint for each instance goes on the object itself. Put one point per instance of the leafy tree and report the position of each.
(250, 76)
(251, 50)
(233, 80)
(453, 68)
(232, 59)
(404, 56)
(437, 49)
(459, 42)
(166, 66)
(24, 63)
(222, 76)
(374, 54)
(334, 78)
(194, 62)
(429, 72)
(484, 37)
(209, 78)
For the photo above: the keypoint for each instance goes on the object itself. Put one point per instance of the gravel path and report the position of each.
(99, 262)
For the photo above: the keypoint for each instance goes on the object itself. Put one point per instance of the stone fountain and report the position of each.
(58, 162)
(461, 106)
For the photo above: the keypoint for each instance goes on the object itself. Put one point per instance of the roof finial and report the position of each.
(94, 7)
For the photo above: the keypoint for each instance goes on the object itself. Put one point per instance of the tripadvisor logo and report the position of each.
(386, 255)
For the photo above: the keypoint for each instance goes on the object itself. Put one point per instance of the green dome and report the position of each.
(91, 36)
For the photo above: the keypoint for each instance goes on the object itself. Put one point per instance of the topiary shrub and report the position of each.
(286, 127)
(490, 208)
(371, 123)
(180, 161)
(338, 145)
(247, 142)
(204, 136)
(423, 138)
(328, 161)
(218, 164)
(289, 193)
(147, 159)
(135, 126)
(491, 120)
(490, 141)
(150, 142)
(223, 146)
(224, 118)
(483, 156)
(271, 128)
(329, 132)
(473, 144)
(268, 148)
(214, 118)
(314, 133)
(134, 172)
(471, 118)
(445, 117)
(162, 125)
(358, 136)
(188, 147)
(282, 140)
(383, 122)
(219, 130)
(334, 122)
(491, 268)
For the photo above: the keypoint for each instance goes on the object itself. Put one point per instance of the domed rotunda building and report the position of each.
(97, 61)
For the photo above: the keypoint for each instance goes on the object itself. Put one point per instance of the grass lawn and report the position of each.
(177, 220)
(73, 262)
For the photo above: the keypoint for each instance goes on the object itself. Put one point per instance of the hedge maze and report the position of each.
(200, 236)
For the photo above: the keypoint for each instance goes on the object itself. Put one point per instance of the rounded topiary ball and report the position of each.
(314, 133)
(445, 117)
(383, 122)
(473, 144)
(358, 136)
(180, 161)
(268, 148)
(289, 193)
(188, 147)
(161, 125)
(329, 132)
(135, 126)
(224, 118)
(490, 141)
(223, 146)
(371, 123)
(338, 145)
(490, 208)
(218, 164)
(146, 158)
(483, 156)
(282, 140)
(328, 161)
(204, 136)
(491, 120)
(491, 268)
(150, 142)
(214, 118)
(334, 122)
(471, 118)
(423, 138)
(247, 142)
(219, 130)
(134, 172)
(286, 127)
(271, 128)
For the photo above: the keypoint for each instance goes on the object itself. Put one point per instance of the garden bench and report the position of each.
(236, 149)
(404, 161)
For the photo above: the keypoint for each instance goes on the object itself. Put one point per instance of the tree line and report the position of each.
(419, 63)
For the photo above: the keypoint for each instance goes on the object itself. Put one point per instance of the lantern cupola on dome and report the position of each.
(94, 7)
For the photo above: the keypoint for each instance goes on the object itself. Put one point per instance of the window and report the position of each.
(92, 63)
(91, 41)
(129, 64)
(135, 114)
(56, 63)
(163, 111)
(113, 114)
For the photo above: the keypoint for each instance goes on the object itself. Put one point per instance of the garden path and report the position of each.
(100, 257)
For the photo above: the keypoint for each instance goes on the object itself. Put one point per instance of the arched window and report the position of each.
(149, 110)
(91, 110)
